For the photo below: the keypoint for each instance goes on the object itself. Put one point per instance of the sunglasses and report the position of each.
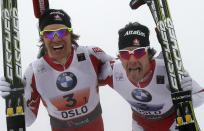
(50, 34)
(137, 53)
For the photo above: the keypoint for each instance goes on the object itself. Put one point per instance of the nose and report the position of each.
(132, 62)
(132, 58)
(55, 37)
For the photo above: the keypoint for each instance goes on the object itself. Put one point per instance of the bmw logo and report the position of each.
(141, 95)
(66, 81)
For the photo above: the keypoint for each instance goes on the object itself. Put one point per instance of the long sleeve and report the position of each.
(197, 91)
(106, 75)
(102, 64)
(32, 97)
(197, 94)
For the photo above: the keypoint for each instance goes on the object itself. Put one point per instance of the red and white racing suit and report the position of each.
(69, 92)
(150, 100)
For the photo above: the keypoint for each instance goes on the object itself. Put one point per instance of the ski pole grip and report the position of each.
(134, 4)
(39, 7)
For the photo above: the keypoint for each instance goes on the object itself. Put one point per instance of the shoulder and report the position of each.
(160, 56)
(28, 75)
(109, 65)
(99, 53)
(159, 62)
(30, 69)
(94, 50)
(116, 62)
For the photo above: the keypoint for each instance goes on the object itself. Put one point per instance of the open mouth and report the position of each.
(58, 47)
(138, 69)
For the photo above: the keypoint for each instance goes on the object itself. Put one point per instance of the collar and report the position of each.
(58, 66)
(148, 77)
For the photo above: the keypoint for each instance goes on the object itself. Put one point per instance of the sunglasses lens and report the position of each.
(124, 54)
(48, 34)
(51, 34)
(138, 53)
(61, 33)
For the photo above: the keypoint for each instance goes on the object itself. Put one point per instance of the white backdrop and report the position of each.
(97, 22)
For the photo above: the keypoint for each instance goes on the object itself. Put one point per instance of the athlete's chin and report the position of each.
(134, 73)
(58, 56)
(58, 53)
(134, 77)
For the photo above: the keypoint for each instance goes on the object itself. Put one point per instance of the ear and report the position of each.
(41, 39)
(151, 52)
(42, 51)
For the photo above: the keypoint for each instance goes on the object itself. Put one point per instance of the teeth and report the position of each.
(58, 46)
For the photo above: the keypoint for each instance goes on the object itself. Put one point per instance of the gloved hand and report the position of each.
(186, 82)
(4, 87)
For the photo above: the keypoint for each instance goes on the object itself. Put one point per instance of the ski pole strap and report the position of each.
(78, 122)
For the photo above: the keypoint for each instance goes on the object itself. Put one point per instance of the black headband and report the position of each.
(133, 35)
(53, 16)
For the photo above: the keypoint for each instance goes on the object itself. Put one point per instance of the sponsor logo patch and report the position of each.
(97, 50)
(136, 42)
(57, 17)
(160, 79)
(135, 32)
(66, 81)
(119, 76)
(141, 95)
(81, 57)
